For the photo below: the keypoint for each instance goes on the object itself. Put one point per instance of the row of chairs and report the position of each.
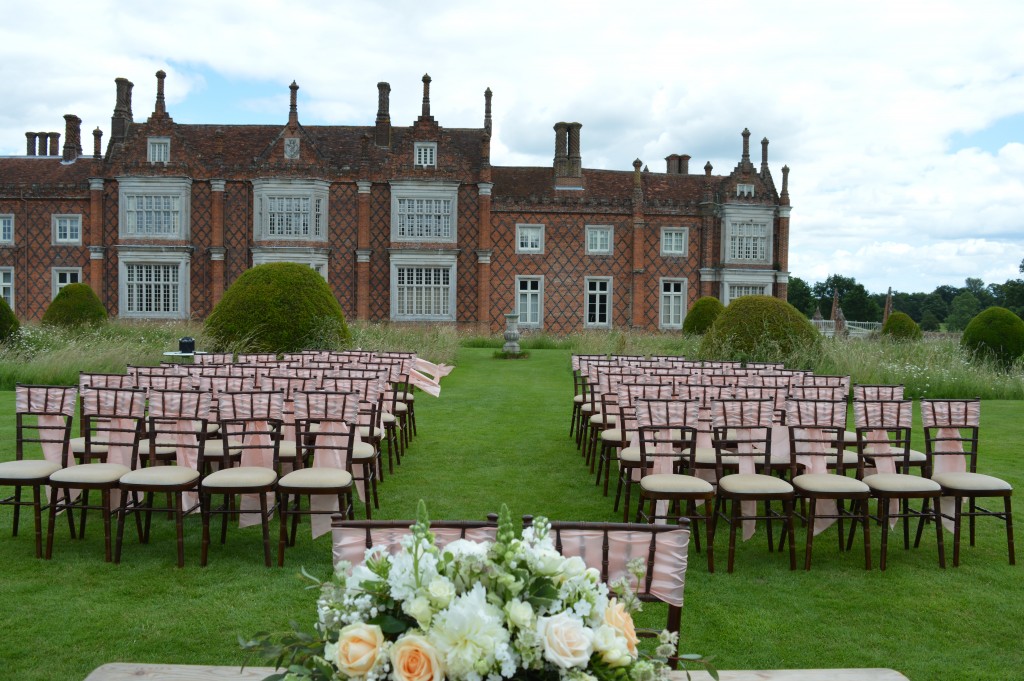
(184, 443)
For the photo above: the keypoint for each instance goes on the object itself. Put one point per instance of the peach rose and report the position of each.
(359, 647)
(414, 659)
(616, 616)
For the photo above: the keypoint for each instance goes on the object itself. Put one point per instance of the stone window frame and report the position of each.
(666, 252)
(158, 150)
(55, 228)
(608, 293)
(595, 230)
(522, 228)
(7, 287)
(539, 293)
(316, 191)
(662, 295)
(316, 258)
(180, 256)
(7, 225)
(55, 272)
(424, 154)
(435, 259)
(411, 190)
(135, 188)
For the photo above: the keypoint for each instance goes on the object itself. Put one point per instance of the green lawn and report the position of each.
(498, 434)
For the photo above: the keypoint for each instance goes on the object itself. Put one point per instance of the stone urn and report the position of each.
(511, 334)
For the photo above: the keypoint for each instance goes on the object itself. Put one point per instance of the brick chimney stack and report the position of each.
(784, 195)
(426, 96)
(745, 159)
(708, 168)
(677, 164)
(97, 143)
(575, 160)
(72, 138)
(293, 105)
(764, 155)
(487, 110)
(55, 144)
(561, 149)
(43, 138)
(161, 106)
(684, 164)
(30, 144)
(382, 133)
(122, 111)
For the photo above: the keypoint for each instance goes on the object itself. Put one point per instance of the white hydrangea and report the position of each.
(470, 636)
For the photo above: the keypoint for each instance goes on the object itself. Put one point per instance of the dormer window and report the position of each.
(745, 190)
(159, 150)
(426, 154)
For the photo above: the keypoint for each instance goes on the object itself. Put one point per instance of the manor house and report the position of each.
(405, 223)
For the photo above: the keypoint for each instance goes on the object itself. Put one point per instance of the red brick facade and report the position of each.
(406, 223)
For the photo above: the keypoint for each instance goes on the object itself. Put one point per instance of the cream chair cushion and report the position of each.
(27, 469)
(829, 483)
(242, 476)
(667, 483)
(327, 478)
(172, 476)
(753, 483)
(897, 482)
(971, 482)
(89, 474)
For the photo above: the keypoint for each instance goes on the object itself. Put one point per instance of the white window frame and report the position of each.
(55, 225)
(675, 298)
(525, 231)
(316, 258)
(594, 233)
(674, 231)
(738, 218)
(179, 256)
(442, 259)
(267, 192)
(525, 321)
(744, 189)
(404, 230)
(55, 275)
(139, 214)
(425, 154)
(158, 150)
(7, 285)
(587, 282)
(6, 229)
(746, 290)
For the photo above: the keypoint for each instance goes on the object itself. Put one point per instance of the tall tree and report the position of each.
(961, 311)
(799, 296)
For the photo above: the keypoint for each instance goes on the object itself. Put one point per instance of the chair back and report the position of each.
(43, 415)
(250, 423)
(94, 380)
(951, 429)
(744, 428)
(154, 382)
(325, 427)
(256, 357)
(213, 358)
(883, 430)
(817, 392)
(178, 418)
(667, 428)
(113, 419)
(814, 427)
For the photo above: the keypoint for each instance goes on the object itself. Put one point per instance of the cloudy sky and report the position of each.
(902, 122)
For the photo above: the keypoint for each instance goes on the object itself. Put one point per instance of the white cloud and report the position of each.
(861, 100)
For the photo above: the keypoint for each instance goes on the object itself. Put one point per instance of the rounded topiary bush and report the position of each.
(996, 333)
(760, 329)
(8, 321)
(75, 305)
(277, 307)
(702, 315)
(899, 326)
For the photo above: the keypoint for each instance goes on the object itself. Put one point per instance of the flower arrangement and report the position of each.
(475, 610)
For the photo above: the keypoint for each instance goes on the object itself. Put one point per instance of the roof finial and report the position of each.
(708, 168)
(161, 107)
(293, 107)
(487, 110)
(745, 160)
(764, 155)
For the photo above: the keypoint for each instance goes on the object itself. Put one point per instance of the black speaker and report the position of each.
(187, 344)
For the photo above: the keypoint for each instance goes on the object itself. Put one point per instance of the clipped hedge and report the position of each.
(702, 315)
(75, 305)
(899, 326)
(759, 329)
(277, 307)
(8, 321)
(996, 333)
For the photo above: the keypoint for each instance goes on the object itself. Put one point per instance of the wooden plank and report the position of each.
(125, 671)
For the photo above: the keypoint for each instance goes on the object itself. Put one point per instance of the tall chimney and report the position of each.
(745, 160)
(575, 160)
(72, 137)
(561, 149)
(97, 142)
(426, 95)
(55, 144)
(764, 155)
(487, 110)
(708, 168)
(672, 164)
(784, 195)
(30, 144)
(684, 164)
(43, 138)
(382, 133)
(122, 111)
(161, 106)
(293, 104)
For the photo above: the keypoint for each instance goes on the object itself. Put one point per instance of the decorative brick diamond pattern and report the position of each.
(32, 276)
(380, 241)
(342, 234)
(237, 230)
(466, 267)
(110, 266)
(675, 267)
(201, 290)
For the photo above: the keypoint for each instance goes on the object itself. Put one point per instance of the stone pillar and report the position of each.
(95, 242)
(216, 249)
(363, 251)
(782, 240)
(483, 291)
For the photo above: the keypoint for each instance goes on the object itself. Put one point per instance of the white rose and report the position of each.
(359, 645)
(574, 567)
(549, 563)
(419, 609)
(611, 646)
(520, 614)
(567, 643)
(441, 592)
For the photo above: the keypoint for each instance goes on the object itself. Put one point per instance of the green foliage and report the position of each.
(8, 321)
(961, 311)
(761, 329)
(702, 315)
(929, 322)
(996, 333)
(799, 295)
(278, 307)
(899, 326)
(75, 305)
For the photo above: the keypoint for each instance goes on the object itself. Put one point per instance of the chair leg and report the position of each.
(54, 494)
(883, 516)
(734, 522)
(37, 517)
(938, 530)
(282, 537)
(1009, 530)
(866, 521)
(17, 510)
(179, 527)
(204, 511)
(122, 510)
(709, 527)
(105, 500)
(265, 524)
(973, 516)
(812, 507)
(788, 510)
(957, 530)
